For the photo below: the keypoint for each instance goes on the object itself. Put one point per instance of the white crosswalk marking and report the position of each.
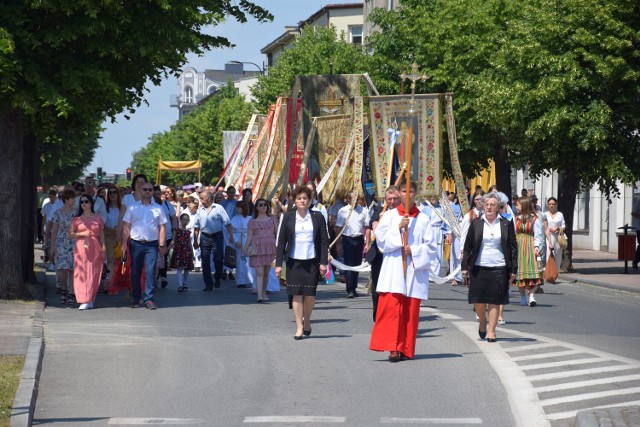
(440, 314)
(558, 377)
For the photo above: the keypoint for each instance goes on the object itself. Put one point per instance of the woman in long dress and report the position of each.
(61, 250)
(529, 237)
(89, 252)
(240, 223)
(262, 233)
(555, 224)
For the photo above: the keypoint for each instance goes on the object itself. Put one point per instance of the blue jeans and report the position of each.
(352, 248)
(212, 243)
(143, 254)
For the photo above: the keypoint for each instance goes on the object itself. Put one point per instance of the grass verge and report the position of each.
(10, 371)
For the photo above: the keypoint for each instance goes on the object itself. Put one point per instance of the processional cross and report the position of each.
(413, 76)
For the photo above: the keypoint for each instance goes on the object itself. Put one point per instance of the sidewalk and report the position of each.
(602, 269)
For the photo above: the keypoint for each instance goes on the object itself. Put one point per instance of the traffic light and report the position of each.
(128, 174)
(99, 176)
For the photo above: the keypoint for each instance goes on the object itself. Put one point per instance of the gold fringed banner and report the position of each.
(333, 136)
(178, 166)
(424, 124)
(463, 196)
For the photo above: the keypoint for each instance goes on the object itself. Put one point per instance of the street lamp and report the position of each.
(252, 63)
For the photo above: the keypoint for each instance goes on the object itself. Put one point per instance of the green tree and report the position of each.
(318, 50)
(553, 85)
(197, 136)
(84, 60)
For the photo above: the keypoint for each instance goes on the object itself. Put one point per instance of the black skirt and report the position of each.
(302, 277)
(489, 285)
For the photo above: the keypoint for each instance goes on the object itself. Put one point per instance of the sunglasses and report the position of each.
(147, 190)
(82, 202)
(112, 192)
(260, 205)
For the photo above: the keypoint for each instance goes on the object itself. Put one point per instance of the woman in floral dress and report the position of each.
(182, 259)
(61, 249)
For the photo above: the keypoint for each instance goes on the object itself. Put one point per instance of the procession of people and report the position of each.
(107, 239)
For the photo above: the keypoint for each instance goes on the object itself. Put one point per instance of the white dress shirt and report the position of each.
(490, 253)
(356, 223)
(303, 247)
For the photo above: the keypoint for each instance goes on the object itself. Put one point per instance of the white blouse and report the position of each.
(303, 247)
(490, 253)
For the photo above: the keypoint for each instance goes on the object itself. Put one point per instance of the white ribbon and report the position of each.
(362, 268)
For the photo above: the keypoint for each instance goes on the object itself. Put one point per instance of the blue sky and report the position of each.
(121, 139)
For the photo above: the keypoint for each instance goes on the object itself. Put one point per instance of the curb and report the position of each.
(24, 403)
(585, 279)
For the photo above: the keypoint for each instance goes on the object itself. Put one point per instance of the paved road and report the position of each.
(220, 359)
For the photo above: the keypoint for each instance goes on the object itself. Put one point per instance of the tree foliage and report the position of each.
(553, 85)
(197, 136)
(318, 50)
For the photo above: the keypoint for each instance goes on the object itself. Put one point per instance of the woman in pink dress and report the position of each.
(89, 252)
(262, 233)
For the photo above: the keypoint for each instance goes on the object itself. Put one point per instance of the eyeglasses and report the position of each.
(261, 205)
(147, 190)
(82, 202)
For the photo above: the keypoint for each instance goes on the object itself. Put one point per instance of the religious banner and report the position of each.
(357, 133)
(390, 114)
(463, 195)
(275, 154)
(333, 134)
(297, 152)
(250, 165)
(178, 166)
(368, 174)
(249, 137)
(231, 141)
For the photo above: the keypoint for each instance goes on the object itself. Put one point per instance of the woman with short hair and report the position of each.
(489, 264)
(61, 249)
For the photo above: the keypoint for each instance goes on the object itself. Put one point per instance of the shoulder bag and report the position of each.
(562, 240)
(551, 270)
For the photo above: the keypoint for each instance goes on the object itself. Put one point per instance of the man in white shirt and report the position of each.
(352, 239)
(49, 206)
(145, 223)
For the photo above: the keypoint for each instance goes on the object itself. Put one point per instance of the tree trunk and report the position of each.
(503, 169)
(29, 179)
(567, 194)
(11, 189)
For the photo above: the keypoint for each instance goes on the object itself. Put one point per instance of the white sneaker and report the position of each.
(83, 307)
(532, 301)
(501, 322)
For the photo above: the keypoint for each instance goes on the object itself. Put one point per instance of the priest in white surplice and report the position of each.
(398, 313)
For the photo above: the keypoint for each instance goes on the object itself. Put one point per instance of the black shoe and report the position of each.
(231, 276)
(483, 335)
(207, 289)
(355, 294)
(394, 357)
(241, 286)
(224, 276)
(306, 333)
(217, 284)
(164, 283)
(634, 265)
(491, 339)
(297, 337)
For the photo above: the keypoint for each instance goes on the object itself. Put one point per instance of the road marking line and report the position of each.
(533, 347)
(440, 314)
(580, 372)
(523, 399)
(563, 363)
(546, 355)
(155, 421)
(571, 414)
(294, 419)
(448, 421)
(579, 384)
(588, 396)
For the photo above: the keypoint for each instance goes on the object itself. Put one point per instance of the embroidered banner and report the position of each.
(357, 133)
(463, 194)
(424, 125)
(333, 133)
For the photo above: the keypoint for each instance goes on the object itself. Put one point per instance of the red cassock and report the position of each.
(396, 326)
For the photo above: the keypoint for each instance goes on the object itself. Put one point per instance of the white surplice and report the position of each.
(423, 244)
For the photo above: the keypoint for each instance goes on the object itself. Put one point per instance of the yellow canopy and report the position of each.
(179, 166)
(486, 179)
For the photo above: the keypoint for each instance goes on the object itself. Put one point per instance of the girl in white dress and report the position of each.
(245, 274)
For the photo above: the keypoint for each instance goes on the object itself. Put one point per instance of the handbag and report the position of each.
(251, 250)
(551, 270)
(562, 240)
(230, 257)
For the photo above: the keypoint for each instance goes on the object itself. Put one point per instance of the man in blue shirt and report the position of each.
(209, 223)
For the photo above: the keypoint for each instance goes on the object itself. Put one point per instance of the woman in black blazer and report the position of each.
(303, 243)
(489, 263)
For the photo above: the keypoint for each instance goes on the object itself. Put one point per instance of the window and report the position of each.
(581, 211)
(355, 34)
(188, 95)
